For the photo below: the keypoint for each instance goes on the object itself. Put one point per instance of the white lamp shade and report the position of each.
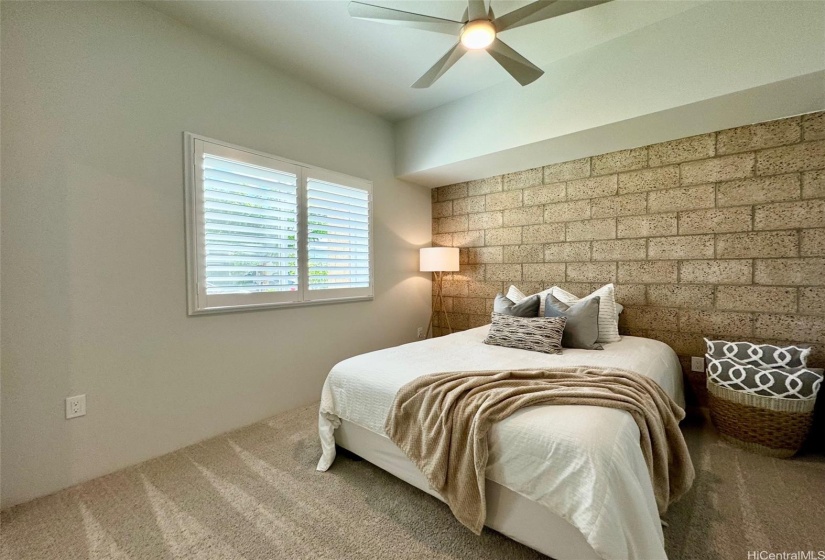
(439, 259)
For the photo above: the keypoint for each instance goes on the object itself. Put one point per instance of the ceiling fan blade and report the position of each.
(524, 71)
(478, 9)
(406, 19)
(443, 64)
(541, 10)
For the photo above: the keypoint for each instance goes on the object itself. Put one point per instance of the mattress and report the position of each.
(582, 463)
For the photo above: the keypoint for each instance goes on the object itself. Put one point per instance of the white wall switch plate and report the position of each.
(697, 363)
(75, 406)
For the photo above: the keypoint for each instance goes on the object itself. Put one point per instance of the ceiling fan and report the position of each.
(478, 30)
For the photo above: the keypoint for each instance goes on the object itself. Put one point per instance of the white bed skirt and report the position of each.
(509, 513)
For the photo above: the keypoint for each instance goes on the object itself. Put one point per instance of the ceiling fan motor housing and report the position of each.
(478, 34)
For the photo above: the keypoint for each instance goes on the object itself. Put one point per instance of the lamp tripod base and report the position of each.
(439, 296)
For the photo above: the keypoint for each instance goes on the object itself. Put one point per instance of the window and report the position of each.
(267, 232)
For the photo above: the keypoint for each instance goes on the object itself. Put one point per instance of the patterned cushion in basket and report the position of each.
(764, 370)
(759, 354)
(539, 334)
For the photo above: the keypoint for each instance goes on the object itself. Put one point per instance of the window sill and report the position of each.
(268, 306)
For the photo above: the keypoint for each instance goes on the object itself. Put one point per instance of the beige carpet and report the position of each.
(255, 494)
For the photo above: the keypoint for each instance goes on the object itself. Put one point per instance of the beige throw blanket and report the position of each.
(441, 422)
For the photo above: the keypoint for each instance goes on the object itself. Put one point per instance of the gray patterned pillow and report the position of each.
(781, 383)
(539, 334)
(758, 354)
(762, 369)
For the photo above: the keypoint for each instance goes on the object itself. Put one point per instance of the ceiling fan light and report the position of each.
(478, 34)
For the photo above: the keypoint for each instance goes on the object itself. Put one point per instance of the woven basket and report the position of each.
(768, 426)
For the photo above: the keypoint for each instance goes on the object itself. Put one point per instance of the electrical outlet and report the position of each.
(420, 332)
(75, 406)
(697, 363)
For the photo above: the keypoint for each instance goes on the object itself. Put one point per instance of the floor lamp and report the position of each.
(439, 260)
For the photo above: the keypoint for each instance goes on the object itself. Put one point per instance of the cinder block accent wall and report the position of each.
(719, 235)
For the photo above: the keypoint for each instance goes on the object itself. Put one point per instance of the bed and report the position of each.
(568, 481)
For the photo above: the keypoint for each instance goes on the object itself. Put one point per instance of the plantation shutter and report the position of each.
(338, 236)
(265, 232)
(248, 243)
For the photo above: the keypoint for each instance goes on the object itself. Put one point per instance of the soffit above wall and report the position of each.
(720, 65)
(372, 65)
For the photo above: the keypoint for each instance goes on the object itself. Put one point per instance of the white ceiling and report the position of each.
(372, 65)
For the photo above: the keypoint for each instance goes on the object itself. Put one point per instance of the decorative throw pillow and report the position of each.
(539, 334)
(608, 318)
(762, 369)
(582, 328)
(517, 295)
(527, 307)
(781, 383)
(759, 354)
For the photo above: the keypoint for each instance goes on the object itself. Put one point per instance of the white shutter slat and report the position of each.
(338, 235)
(342, 263)
(229, 240)
(240, 173)
(340, 214)
(250, 288)
(231, 207)
(282, 223)
(245, 260)
(250, 230)
(250, 223)
(357, 267)
(237, 280)
(220, 290)
(326, 188)
(321, 206)
(340, 275)
(248, 269)
(318, 231)
(348, 224)
(319, 239)
(219, 249)
(326, 196)
(344, 206)
(339, 285)
(238, 196)
(326, 247)
(243, 168)
(339, 255)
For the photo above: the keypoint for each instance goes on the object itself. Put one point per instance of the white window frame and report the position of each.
(198, 302)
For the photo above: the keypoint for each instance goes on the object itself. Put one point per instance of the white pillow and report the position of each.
(516, 295)
(608, 316)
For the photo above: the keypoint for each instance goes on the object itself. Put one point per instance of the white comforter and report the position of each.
(583, 463)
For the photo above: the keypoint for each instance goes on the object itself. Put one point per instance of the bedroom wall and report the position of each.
(95, 98)
(721, 235)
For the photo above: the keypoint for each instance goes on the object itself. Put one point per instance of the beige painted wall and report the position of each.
(95, 98)
(720, 235)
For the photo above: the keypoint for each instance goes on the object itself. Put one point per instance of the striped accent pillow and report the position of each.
(539, 334)
(608, 318)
